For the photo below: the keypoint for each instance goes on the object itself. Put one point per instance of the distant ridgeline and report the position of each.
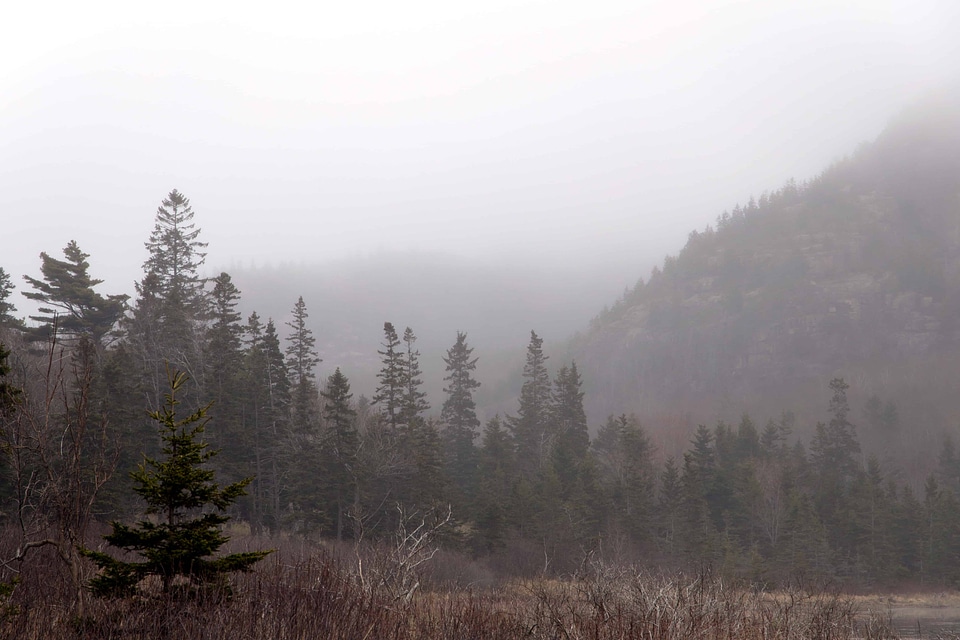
(855, 273)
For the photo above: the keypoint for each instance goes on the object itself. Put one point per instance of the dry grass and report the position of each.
(303, 592)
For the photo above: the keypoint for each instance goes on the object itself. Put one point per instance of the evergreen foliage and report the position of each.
(569, 423)
(414, 403)
(175, 256)
(531, 429)
(7, 319)
(167, 322)
(302, 357)
(459, 417)
(8, 392)
(389, 394)
(341, 445)
(265, 405)
(67, 298)
(184, 509)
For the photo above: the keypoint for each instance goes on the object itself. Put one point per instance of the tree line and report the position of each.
(532, 486)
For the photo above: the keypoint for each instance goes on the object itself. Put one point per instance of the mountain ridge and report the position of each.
(855, 273)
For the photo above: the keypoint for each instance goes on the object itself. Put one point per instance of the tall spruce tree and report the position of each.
(185, 512)
(390, 392)
(266, 400)
(669, 506)
(569, 423)
(834, 456)
(166, 325)
(414, 403)
(302, 357)
(459, 417)
(531, 429)
(224, 339)
(626, 470)
(223, 360)
(341, 446)
(497, 475)
(175, 257)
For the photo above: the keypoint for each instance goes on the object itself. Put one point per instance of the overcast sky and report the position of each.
(558, 134)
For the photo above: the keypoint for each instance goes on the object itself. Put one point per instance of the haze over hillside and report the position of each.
(436, 295)
(855, 273)
(539, 135)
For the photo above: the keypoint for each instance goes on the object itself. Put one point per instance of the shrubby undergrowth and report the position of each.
(310, 591)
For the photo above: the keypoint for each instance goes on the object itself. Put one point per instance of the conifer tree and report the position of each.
(834, 452)
(459, 411)
(185, 509)
(224, 339)
(266, 402)
(67, 297)
(530, 427)
(459, 416)
(497, 474)
(8, 392)
(7, 308)
(569, 423)
(623, 451)
(223, 360)
(341, 445)
(669, 504)
(698, 531)
(414, 398)
(389, 394)
(166, 325)
(302, 357)
(175, 257)
(428, 484)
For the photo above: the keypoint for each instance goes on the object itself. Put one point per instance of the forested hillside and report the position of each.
(855, 273)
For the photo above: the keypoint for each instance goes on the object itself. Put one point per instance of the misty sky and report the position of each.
(552, 134)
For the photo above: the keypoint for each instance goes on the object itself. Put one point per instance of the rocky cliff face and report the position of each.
(853, 273)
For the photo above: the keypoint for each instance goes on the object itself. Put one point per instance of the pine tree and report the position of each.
(389, 395)
(530, 427)
(302, 357)
(68, 300)
(459, 416)
(185, 512)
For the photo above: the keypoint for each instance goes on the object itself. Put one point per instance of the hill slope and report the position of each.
(856, 273)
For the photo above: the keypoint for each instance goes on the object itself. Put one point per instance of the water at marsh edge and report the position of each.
(927, 622)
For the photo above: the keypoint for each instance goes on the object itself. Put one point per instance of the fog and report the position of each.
(562, 136)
